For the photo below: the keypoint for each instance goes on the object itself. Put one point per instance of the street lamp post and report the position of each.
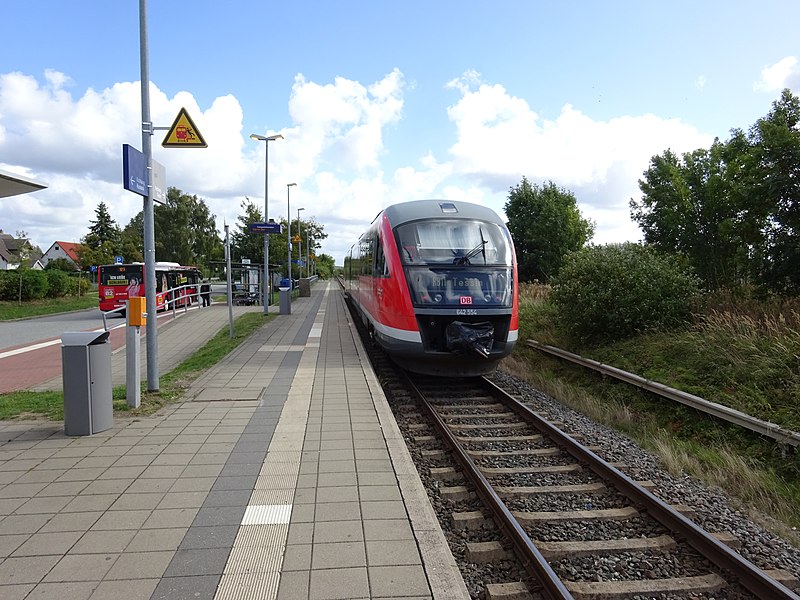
(266, 139)
(289, 234)
(300, 253)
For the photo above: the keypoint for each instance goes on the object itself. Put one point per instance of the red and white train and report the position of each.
(435, 283)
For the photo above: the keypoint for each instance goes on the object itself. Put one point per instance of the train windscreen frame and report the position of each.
(456, 263)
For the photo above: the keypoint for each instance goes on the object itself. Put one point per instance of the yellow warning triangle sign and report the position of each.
(184, 133)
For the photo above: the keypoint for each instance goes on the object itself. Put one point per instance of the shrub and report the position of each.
(58, 283)
(78, 285)
(60, 264)
(608, 293)
(33, 284)
(9, 285)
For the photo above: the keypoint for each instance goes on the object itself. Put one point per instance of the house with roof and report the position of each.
(66, 250)
(14, 251)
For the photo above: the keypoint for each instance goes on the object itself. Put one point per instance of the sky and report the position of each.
(379, 102)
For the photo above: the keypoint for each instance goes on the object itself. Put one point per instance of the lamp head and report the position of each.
(290, 184)
(266, 138)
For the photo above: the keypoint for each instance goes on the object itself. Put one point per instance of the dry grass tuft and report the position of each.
(730, 471)
(533, 292)
(608, 411)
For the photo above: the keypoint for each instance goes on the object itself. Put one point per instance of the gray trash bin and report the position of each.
(86, 372)
(285, 299)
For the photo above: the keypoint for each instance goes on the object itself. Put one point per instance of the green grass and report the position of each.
(34, 308)
(32, 404)
(50, 405)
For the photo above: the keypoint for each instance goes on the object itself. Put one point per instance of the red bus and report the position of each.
(117, 283)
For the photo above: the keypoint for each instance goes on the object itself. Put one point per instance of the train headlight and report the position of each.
(437, 297)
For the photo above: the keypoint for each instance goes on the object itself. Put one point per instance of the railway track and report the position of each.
(544, 515)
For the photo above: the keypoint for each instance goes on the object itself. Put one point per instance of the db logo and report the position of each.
(466, 299)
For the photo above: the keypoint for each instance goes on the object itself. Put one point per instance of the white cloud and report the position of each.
(334, 149)
(783, 74)
(501, 138)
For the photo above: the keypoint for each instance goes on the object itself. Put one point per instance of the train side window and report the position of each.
(381, 268)
(366, 256)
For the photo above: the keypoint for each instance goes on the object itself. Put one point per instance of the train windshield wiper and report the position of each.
(481, 247)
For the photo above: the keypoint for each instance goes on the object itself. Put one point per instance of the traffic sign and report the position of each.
(265, 227)
(184, 133)
(134, 170)
(297, 239)
(118, 260)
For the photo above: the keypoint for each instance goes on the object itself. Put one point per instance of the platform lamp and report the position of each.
(300, 253)
(289, 234)
(266, 139)
(308, 252)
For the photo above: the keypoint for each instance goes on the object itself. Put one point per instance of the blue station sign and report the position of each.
(134, 170)
(265, 227)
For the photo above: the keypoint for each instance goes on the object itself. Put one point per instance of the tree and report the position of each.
(325, 266)
(775, 149)
(101, 255)
(103, 230)
(545, 224)
(733, 210)
(132, 239)
(186, 231)
(244, 243)
(102, 243)
(689, 206)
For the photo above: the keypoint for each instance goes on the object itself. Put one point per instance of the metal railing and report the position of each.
(172, 300)
(776, 432)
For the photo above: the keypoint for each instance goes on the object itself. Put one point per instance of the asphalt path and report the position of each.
(30, 349)
(27, 331)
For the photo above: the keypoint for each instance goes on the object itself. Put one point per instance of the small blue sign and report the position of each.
(93, 268)
(265, 227)
(118, 260)
(134, 170)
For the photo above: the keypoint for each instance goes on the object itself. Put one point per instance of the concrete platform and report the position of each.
(281, 475)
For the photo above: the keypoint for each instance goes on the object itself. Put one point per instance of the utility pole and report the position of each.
(149, 223)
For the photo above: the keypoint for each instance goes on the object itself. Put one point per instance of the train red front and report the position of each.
(435, 283)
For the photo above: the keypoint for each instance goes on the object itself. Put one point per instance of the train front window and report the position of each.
(453, 242)
(473, 287)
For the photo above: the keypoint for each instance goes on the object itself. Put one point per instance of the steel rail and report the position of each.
(533, 561)
(750, 576)
(776, 432)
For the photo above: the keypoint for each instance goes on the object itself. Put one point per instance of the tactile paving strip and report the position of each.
(267, 514)
(253, 567)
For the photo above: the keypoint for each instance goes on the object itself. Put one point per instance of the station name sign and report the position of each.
(265, 227)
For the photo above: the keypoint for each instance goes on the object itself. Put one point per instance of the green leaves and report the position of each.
(607, 293)
(733, 210)
(545, 224)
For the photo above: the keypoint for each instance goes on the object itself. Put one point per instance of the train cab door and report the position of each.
(381, 284)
